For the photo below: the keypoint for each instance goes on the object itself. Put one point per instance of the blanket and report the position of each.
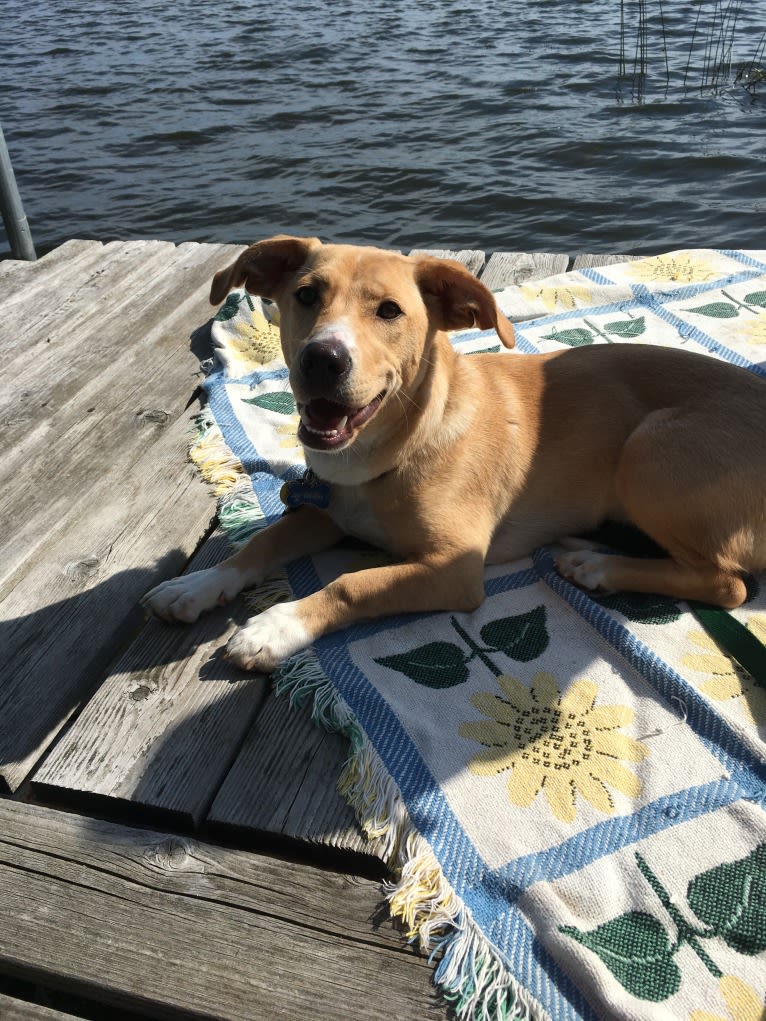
(570, 789)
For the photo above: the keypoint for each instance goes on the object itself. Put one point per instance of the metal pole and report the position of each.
(15, 221)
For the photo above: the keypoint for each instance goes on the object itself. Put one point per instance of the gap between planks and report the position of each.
(174, 928)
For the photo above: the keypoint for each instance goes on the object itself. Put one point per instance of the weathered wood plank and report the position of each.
(106, 418)
(167, 926)
(586, 261)
(506, 268)
(165, 290)
(21, 1010)
(283, 783)
(161, 732)
(471, 258)
(57, 303)
(33, 276)
(75, 602)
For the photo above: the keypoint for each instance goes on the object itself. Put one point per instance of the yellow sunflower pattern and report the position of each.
(256, 341)
(560, 296)
(726, 679)
(289, 434)
(679, 267)
(742, 1003)
(562, 745)
(753, 331)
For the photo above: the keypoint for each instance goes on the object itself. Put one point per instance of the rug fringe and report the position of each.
(215, 461)
(471, 975)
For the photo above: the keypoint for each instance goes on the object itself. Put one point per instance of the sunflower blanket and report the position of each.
(571, 790)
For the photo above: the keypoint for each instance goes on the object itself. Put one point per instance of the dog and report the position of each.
(450, 462)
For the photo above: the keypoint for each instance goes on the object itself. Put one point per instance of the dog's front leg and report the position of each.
(304, 531)
(438, 582)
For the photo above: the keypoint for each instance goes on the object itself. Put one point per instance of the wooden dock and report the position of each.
(171, 841)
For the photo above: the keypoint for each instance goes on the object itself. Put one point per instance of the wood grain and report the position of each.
(161, 732)
(20, 1010)
(506, 268)
(594, 261)
(168, 925)
(283, 783)
(471, 258)
(74, 602)
(101, 407)
(16, 274)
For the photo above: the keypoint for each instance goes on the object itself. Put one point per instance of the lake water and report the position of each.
(449, 123)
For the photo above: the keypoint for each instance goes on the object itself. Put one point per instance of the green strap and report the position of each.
(734, 638)
(726, 631)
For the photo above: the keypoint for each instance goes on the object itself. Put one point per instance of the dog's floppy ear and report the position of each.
(262, 266)
(455, 299)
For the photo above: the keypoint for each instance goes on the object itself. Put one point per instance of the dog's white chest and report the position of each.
(351, 512)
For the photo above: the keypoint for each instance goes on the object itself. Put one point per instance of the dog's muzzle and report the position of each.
(324, 365)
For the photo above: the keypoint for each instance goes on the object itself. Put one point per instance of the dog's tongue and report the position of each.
(326, 415)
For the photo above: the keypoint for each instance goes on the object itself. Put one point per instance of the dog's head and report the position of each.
(357, 325)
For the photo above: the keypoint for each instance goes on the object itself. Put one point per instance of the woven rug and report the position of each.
(570, 789)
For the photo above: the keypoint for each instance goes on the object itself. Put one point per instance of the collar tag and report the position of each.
(307, 490)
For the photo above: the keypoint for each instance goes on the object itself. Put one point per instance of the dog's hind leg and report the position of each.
(674, 482)
(602, 572)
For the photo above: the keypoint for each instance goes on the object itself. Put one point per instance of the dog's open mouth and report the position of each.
(326, 425)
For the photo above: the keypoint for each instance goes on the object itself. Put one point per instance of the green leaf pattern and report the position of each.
(627, 329)
(435, 665)
(637, 951)
(279, 401)
(521, 637)
(729, 900)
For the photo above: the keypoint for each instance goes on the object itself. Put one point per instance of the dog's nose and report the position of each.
(325, 362)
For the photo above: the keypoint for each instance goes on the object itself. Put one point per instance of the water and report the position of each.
(458, 123)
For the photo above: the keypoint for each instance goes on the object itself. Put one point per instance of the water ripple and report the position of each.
(438, 122)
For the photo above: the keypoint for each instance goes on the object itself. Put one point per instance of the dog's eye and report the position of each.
(307, 295)
(388, 310)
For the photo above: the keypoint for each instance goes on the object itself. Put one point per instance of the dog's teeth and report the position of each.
(327, 433)
(320, 432)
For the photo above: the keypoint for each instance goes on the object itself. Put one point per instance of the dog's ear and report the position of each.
(262, 267)
(455, 299)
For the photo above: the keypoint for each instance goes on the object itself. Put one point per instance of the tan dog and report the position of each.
(451, 462)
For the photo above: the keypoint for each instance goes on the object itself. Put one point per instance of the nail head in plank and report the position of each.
(150, 922)
(508, 268)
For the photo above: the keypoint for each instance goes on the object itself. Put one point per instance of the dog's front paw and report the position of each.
(268, 639)
(186, 597)
(586, 568)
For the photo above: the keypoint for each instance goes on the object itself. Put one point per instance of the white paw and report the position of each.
(186, 597)
(585, 568)
(268, 639)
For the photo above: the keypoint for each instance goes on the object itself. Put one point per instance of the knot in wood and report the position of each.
(169, 855)
(153, 416)
(142, 690)
(80, 570)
